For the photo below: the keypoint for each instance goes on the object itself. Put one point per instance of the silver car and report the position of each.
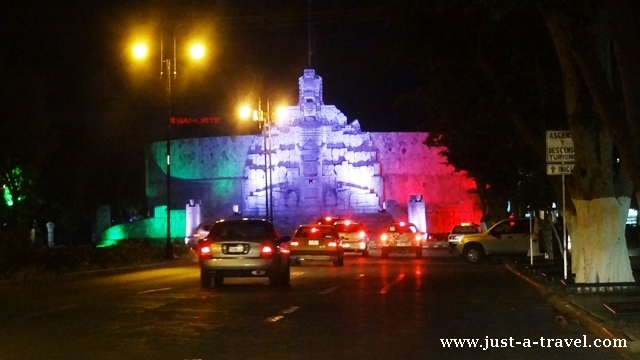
(401, 237)
(458, 231)
(199, 233)
(243, 248)
(354, 236)
(507, 237)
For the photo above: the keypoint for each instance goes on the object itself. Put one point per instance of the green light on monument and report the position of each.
(153, 229)
(223, 187)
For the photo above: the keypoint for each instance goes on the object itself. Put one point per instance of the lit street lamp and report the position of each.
(265, 127)
(258, 115)
(140, 51)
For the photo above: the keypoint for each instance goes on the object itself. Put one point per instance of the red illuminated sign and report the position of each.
(205, 120)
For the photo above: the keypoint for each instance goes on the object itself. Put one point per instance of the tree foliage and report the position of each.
(548, 65)
(452, 47)
(26, 141)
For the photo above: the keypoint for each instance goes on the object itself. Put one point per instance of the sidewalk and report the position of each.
(610, 312)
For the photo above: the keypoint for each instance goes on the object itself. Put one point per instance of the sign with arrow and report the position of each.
(559, 169)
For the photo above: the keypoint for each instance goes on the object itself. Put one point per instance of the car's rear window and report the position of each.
(319, 232)
(464, 229)
(242, 230)
(407, 228)
(348, 228)
(328, 220)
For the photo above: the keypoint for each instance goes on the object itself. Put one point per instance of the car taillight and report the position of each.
(205, 250)
(384, 239)
(362, 234)
(266, 250)
(418, 237)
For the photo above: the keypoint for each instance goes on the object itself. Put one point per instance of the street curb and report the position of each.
(592, 323)
(91, 273)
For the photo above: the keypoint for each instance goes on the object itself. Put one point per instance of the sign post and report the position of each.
(560, 150)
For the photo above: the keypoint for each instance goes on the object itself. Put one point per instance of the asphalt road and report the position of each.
(397, 308)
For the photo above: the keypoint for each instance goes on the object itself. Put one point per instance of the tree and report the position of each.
(26, 141)
(464, 117)
(600, 186)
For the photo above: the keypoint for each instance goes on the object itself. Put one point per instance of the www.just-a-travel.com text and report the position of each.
(543, 342)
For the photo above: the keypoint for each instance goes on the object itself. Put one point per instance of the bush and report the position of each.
(15, 251)
(20, 258)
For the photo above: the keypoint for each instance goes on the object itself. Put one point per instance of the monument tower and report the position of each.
(320, 164)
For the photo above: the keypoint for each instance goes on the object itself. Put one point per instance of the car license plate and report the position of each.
(313, 242)
(403, 244)
(346, 245)
(235, 249)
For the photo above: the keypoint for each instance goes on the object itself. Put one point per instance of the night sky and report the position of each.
(69, 77)
(81, 50)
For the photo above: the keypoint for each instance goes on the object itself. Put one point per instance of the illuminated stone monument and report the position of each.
(417, 212)
(320, 164)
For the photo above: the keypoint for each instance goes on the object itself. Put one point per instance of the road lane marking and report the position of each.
(325, 292)
(297, 273)
(386, 288)
(154, 290)
(282, 314)
(274, 318)
(290, 310)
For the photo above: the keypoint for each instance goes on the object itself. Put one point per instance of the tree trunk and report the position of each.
(626, 39)
(598, 248)
(600, 189)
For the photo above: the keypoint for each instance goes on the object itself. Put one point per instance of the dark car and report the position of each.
(243, 248)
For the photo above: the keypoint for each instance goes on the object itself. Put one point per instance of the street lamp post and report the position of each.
(266, 122)
(270, 168)
(258, 115)
(269, 162)
(267, 167)
(168, 246)
(166, 69)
